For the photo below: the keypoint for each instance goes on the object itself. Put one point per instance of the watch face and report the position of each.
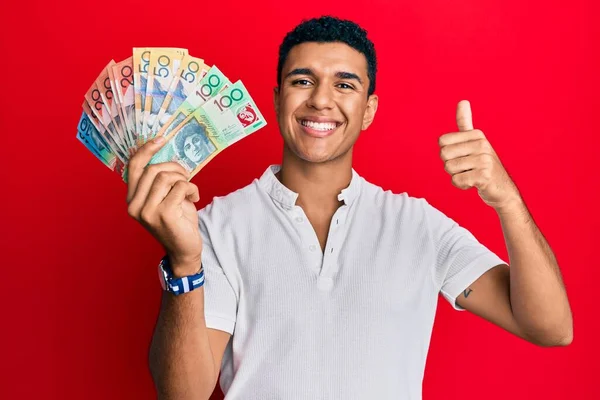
(161, 277)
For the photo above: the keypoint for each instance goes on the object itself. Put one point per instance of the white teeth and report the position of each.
(319, 126)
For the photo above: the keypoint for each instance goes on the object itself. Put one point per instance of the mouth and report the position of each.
(318, 128)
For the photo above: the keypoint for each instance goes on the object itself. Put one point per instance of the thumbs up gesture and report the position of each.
(472, 162)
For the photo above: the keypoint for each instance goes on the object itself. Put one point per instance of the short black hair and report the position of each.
(329, 29)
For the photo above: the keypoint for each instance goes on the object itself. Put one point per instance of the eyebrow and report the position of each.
(339, 74)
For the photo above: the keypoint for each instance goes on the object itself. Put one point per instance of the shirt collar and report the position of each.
(287, 198)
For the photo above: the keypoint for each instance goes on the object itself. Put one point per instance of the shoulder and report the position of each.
(233, 206)
(399, 222)
(390, 204)
(402, 212)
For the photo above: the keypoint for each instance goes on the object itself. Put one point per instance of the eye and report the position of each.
(301, 82)
(344, 85)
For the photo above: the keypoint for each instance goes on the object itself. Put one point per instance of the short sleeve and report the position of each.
(220, 295)
(460, 258)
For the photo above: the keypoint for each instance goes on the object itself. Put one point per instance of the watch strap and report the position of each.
(180, 285)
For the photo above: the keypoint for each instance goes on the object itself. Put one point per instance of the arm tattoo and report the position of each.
(467, 292)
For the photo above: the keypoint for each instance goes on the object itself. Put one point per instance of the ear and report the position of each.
(372, 103)
(276, 100)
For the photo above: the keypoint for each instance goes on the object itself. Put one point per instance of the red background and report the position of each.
(80, 295)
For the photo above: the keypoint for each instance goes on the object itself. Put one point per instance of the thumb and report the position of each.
(464, 118)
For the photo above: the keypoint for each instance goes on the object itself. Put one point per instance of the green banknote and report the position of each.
(223, 120)
(212, 83)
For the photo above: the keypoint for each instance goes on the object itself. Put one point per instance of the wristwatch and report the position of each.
(175, 285)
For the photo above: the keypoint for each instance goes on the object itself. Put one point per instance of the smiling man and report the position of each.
(312, 283)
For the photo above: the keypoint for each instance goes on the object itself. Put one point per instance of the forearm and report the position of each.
(181, 360)
(537, 293)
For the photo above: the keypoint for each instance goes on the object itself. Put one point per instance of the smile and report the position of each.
(318, 129)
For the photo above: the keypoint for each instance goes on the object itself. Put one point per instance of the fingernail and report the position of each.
(159, 140)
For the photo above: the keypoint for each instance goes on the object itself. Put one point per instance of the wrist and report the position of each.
(515, 206)
(182, 280)
(183, 267)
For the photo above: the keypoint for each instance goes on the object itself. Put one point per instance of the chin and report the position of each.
(318, 155)
(308, 150)
(316, 159)
(310, 155)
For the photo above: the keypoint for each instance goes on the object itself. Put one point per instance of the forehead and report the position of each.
(326, 58)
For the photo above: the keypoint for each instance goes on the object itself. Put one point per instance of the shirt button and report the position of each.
(312, 247)
(299, 219)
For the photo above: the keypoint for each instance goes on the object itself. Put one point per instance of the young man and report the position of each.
(319, 284)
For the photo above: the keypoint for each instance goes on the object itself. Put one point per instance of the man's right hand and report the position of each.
(160, 197)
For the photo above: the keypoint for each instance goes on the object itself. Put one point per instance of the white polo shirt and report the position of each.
(352, 322)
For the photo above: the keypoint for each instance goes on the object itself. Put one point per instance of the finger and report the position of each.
(181, 191)
(149, 174)
(462, 149)
(460, 137)
(161, 187)
(467, 179)
(138, 162)
(460, 164)
(464, 119)
(141, 198)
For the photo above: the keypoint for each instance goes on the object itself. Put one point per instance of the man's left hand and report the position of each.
(472, 162)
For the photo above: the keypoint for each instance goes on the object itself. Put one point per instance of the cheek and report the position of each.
(353, 112)
(289, 103)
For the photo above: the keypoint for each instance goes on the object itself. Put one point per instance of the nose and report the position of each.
(321, 97)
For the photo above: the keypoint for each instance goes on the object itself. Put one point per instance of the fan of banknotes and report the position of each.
(165, 92)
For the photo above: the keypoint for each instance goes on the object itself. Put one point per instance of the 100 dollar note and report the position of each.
(227, 118)
(212, 83)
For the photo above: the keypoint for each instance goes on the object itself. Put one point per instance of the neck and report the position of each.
(317, 184)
